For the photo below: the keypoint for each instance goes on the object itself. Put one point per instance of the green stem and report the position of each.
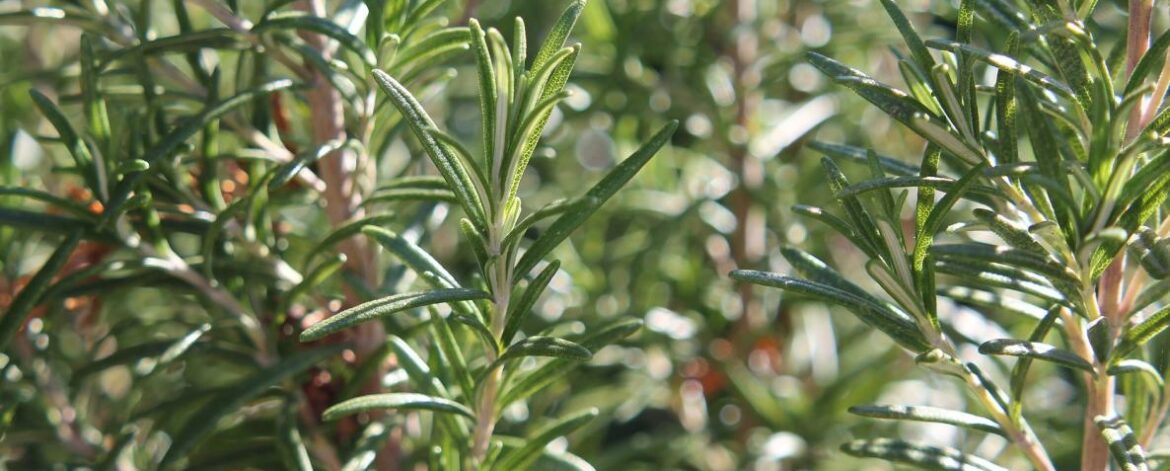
(500, 282)
(1019, 432)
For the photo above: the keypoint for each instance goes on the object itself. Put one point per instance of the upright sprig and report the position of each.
(516, 100)
(1061, 210)
(180, 195)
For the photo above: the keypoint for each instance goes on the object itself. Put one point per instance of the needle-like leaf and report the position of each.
(593, 199)
(387, 306)
(399, 401)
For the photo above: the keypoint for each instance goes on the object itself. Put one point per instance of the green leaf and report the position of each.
(1139, 185)
(1010, 232)
(53, 15)
(422, 182)
(372, 440)
(387, 306)
(918, 49)
(529, 132)
(975, 271)
(346, 231)
(1148, 62)
(1136, 366)
(449, 165)
(836, 224)
(195, 123)
(965, 84)
(286, 172)
(316, 24)
(1151, 294)
(411, 194)
(420, 10)
(123, 356)
(896, 103)
(857, 154)
(930, 414)
(1006, 108)
(859, 217)
(923, 456)
(518, 311)
(412, 255)
(519, 49)
(1037, 351)
(315, 278)
(1009, 64)
(172, 140)
(289, 442)
(817, 271)
(1122, 443)
(991, 303)
(94, 105)
(50, 199)
(897, 326)
(980, 254)
(205, 419)
(416, 368)
(1154, 253)
(487, 91)
(550, 93)
(72, 141)
(548, 460)
(333, 70)
(593, 199)
(184, 343)
(552, 209)
(545, 374)
(446, 38)
(1020, 371)
(477, 241)
(479, 329)
(481, 179)
(453, 351)
(400, 401)
(524, 457)
(422, 263)
(425, 380)
(192, 41)
(1002, 276)
(941, 183)
(559, 33)
(538, 346)
(1141, 333)
(28, 297)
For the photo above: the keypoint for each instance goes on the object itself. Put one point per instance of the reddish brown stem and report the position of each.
(745, 45)
(341, 171)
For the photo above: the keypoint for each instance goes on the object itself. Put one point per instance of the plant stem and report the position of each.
(342, 171)
(746, 237)
(1094, 450)
(1020, 433)
(501, 286)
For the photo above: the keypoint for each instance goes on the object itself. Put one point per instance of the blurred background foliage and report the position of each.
(721, 377)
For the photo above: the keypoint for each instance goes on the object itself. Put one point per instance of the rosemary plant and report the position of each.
(1052, 222)
(228, 175)
(515, 102)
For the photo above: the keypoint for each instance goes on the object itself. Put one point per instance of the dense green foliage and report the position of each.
(1044, 227)
(494, 234)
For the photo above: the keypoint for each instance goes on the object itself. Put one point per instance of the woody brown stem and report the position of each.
(342, 171)
(745, 45)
